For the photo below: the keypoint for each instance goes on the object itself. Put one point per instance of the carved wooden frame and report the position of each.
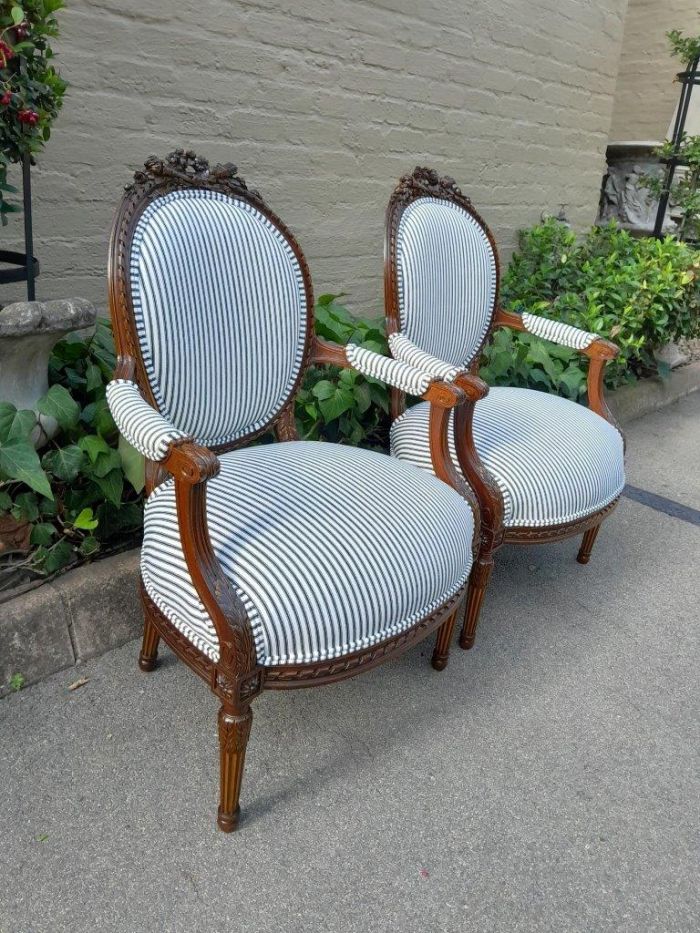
(237, 678)
(426, 182)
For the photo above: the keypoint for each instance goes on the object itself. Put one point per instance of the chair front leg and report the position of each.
(234, 731)
(584, 554)
(478, 581)
(148, 657)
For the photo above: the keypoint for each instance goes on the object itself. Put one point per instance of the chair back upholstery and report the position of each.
(441, 269)
(219, 299)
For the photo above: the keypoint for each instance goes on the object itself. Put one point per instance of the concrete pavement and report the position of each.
(546, 781)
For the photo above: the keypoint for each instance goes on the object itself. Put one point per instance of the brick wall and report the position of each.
(646, 95)
(323, 104)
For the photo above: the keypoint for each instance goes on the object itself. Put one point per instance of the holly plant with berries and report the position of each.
(31, 90)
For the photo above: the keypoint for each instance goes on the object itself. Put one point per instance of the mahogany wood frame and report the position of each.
(237, 677)
(425, 182)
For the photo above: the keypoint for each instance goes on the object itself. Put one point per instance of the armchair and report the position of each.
(543, 468)
(282, 565)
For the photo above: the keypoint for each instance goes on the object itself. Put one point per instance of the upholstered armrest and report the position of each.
(403, 377)
(407, 351)
(143, 427)
(590, 344)
(394, 372)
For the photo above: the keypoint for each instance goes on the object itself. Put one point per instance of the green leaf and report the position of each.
(323, 389)
(133, 464)
(26, 507)
(19, 460)
(112, 486)
(93, 375)
(58, 403)
(42, 534)
(333, 407)
(15, 423)
(17, 14)
(94, 446)
(89, 546)
(5, 501)
(56, 557)
(64, 463)
(86, 520)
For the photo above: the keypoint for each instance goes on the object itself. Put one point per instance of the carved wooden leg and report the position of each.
(234, 729)
(148, 657)
(584, 553)
(441, 652)
(478, 581)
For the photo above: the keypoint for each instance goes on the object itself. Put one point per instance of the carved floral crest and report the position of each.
(424, 181)
(185, 166)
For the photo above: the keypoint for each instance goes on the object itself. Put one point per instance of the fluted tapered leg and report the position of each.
(149, 646)
(478, 581)
(441, 651)
(234, 730)
(584, 553)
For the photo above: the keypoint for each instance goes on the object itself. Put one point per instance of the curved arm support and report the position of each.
(598, 351)
(443, 465)
(488, 494)
(235, 676)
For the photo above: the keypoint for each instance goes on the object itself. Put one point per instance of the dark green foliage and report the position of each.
(341, 405)
(640, 293)
(82, 491)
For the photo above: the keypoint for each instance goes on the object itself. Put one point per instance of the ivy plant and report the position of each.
(83, 489)
(341, 405)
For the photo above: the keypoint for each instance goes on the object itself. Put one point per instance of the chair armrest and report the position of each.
(407, 351)
(587, 343)
(143, 427)
(395, 373)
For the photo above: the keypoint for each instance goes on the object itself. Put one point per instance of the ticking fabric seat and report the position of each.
(553, 460)
(331, 549)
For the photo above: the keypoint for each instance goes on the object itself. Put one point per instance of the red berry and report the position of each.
(28, 116)
(22, 31)
(6, 99)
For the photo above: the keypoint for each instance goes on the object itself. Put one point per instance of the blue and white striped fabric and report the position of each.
(563, 334)
(331, 549)
(140, 424)
(220, 312)
(394, 372)
(446, 272)
(554, 460)
(405, 350)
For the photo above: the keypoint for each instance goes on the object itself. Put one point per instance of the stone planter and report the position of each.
(28, 332)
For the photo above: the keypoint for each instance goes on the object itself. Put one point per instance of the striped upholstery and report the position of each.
(220, 312)
(554, 460)
(563, 334)
(330, 548)
(140, 424)
(394, 372)
(405, 350)
(446, 272)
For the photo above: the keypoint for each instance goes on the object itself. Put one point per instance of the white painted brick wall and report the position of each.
(323, 104)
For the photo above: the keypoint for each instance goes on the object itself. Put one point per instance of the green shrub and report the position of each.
(640, 293)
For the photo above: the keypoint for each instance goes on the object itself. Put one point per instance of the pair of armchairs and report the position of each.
(286, 565)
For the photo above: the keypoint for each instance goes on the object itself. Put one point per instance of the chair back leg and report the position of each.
(148, 658)
(441, 651)
(478, 581)
(584, 553)
(234, 730)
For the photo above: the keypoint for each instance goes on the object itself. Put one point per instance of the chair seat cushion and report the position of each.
(331, 549)
(554, 461)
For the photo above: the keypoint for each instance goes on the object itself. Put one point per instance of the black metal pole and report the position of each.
(28, 232)
(689, 79)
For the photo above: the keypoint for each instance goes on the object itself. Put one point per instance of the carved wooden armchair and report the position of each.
(543, 468)
(280, 565)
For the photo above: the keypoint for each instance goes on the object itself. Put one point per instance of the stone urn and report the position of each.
(28, 332)
(623, 196)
